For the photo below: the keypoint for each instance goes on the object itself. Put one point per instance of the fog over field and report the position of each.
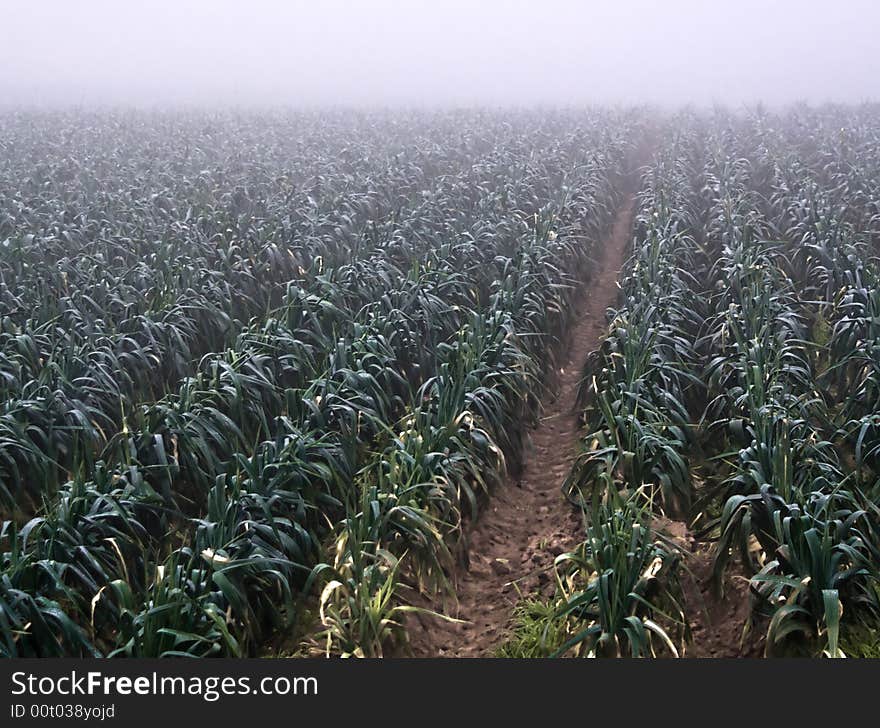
(437, 52)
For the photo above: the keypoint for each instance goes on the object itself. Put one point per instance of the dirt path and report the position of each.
(527, 523)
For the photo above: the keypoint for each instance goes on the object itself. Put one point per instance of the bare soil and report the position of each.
(528, 521)
(718, 623)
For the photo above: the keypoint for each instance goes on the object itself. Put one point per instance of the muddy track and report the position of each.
(528, 522)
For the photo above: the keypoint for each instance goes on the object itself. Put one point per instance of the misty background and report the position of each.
(440, 52)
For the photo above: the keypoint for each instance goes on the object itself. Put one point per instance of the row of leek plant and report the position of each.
(100, 576)
(766, 237)
(619, 592)
(797, 522)
(97, 318)
(462, 434)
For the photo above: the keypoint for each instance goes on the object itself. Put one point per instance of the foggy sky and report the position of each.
(436, 52)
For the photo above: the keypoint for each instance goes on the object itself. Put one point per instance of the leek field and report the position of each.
(262, 373)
